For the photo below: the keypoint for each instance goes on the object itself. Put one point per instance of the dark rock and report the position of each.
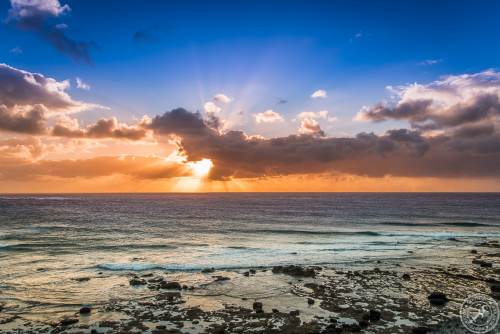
(185, 287)
(94, 331)
(494, 288)
(161, 327)
(294, 313)
(68, 321)
(275, 310)
(170, 285)
(473, 251)
(363, 324)
(437, 298)
(82, 279)
(293, 270)
(137, 281)
(147, 275)
(221, 278)
(257, 306)
(246, 273)
(453, 239)
(485, 264)
(310, 301)
(208, 270)
(406, 277)
(375, 315)
(252, 271)
(85, 310)
(421, 330)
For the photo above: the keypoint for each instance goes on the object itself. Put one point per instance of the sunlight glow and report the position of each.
(200, 168)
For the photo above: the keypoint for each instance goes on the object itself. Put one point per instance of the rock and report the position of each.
(494, 289)
(252, 271)
(147, 275)
(310, 301)
(208, 270)
(221, 278)
(94, 331)
(185, 287)
(375, 315)
(137, 281)
(473, 251)
(294, 313)
(421, 330)
(437, 298)
(257, 306)
(246, 273)
(485, 264)
(453, 239)
(275, 310)
(363, 324)
(85, 310)
(170, 285)
(68, 321)
(293, 270)
(406, 277)
(161, 327)
(82, 279)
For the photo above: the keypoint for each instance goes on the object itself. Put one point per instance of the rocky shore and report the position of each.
(377, 297)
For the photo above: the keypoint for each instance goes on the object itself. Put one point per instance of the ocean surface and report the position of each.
(50, 243)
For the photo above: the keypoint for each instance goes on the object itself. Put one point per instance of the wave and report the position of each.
(468, 224)
(275, 231)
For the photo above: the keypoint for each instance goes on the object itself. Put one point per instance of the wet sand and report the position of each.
(372, 297)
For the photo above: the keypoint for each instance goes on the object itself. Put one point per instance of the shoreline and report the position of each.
(373, 297)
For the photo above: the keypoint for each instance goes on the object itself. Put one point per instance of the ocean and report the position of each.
(50, 244)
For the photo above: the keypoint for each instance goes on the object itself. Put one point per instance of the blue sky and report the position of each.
(258, 53)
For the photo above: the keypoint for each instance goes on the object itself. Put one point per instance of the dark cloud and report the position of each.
(30, 121)
(398, 152)
(39, 17)
(145, 36)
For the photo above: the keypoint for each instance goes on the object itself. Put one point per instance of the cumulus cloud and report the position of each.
(38, 16)
(211, 108)
(445, 105)
(27, 99)
(80, 84)
(268, 116)
(400, 152)
(322, 114)
(310, 126)
(319, 94)
(23, 88)
(103, 128)
(222, 98)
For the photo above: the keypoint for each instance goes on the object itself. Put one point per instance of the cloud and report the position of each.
(311, 127)
(38, 16)
(103, 128)
(319, 94)
(429, 62)
(322, 114)
(81, 85)
(145, 36)
(399, 152)
(23, 120)
(268, 116)
(16, 50)
(222, 98)
(211, 108)
(445, 105)
(140, 167)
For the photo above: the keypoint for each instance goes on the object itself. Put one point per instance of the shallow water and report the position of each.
(48, 242)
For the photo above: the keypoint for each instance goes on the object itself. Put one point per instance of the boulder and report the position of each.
(437, 298)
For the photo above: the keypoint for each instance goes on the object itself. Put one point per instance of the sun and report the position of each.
(201, 168)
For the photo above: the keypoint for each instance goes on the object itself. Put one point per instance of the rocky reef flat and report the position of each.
(396, 296)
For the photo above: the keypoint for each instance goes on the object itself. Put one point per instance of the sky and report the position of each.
(112, 96)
